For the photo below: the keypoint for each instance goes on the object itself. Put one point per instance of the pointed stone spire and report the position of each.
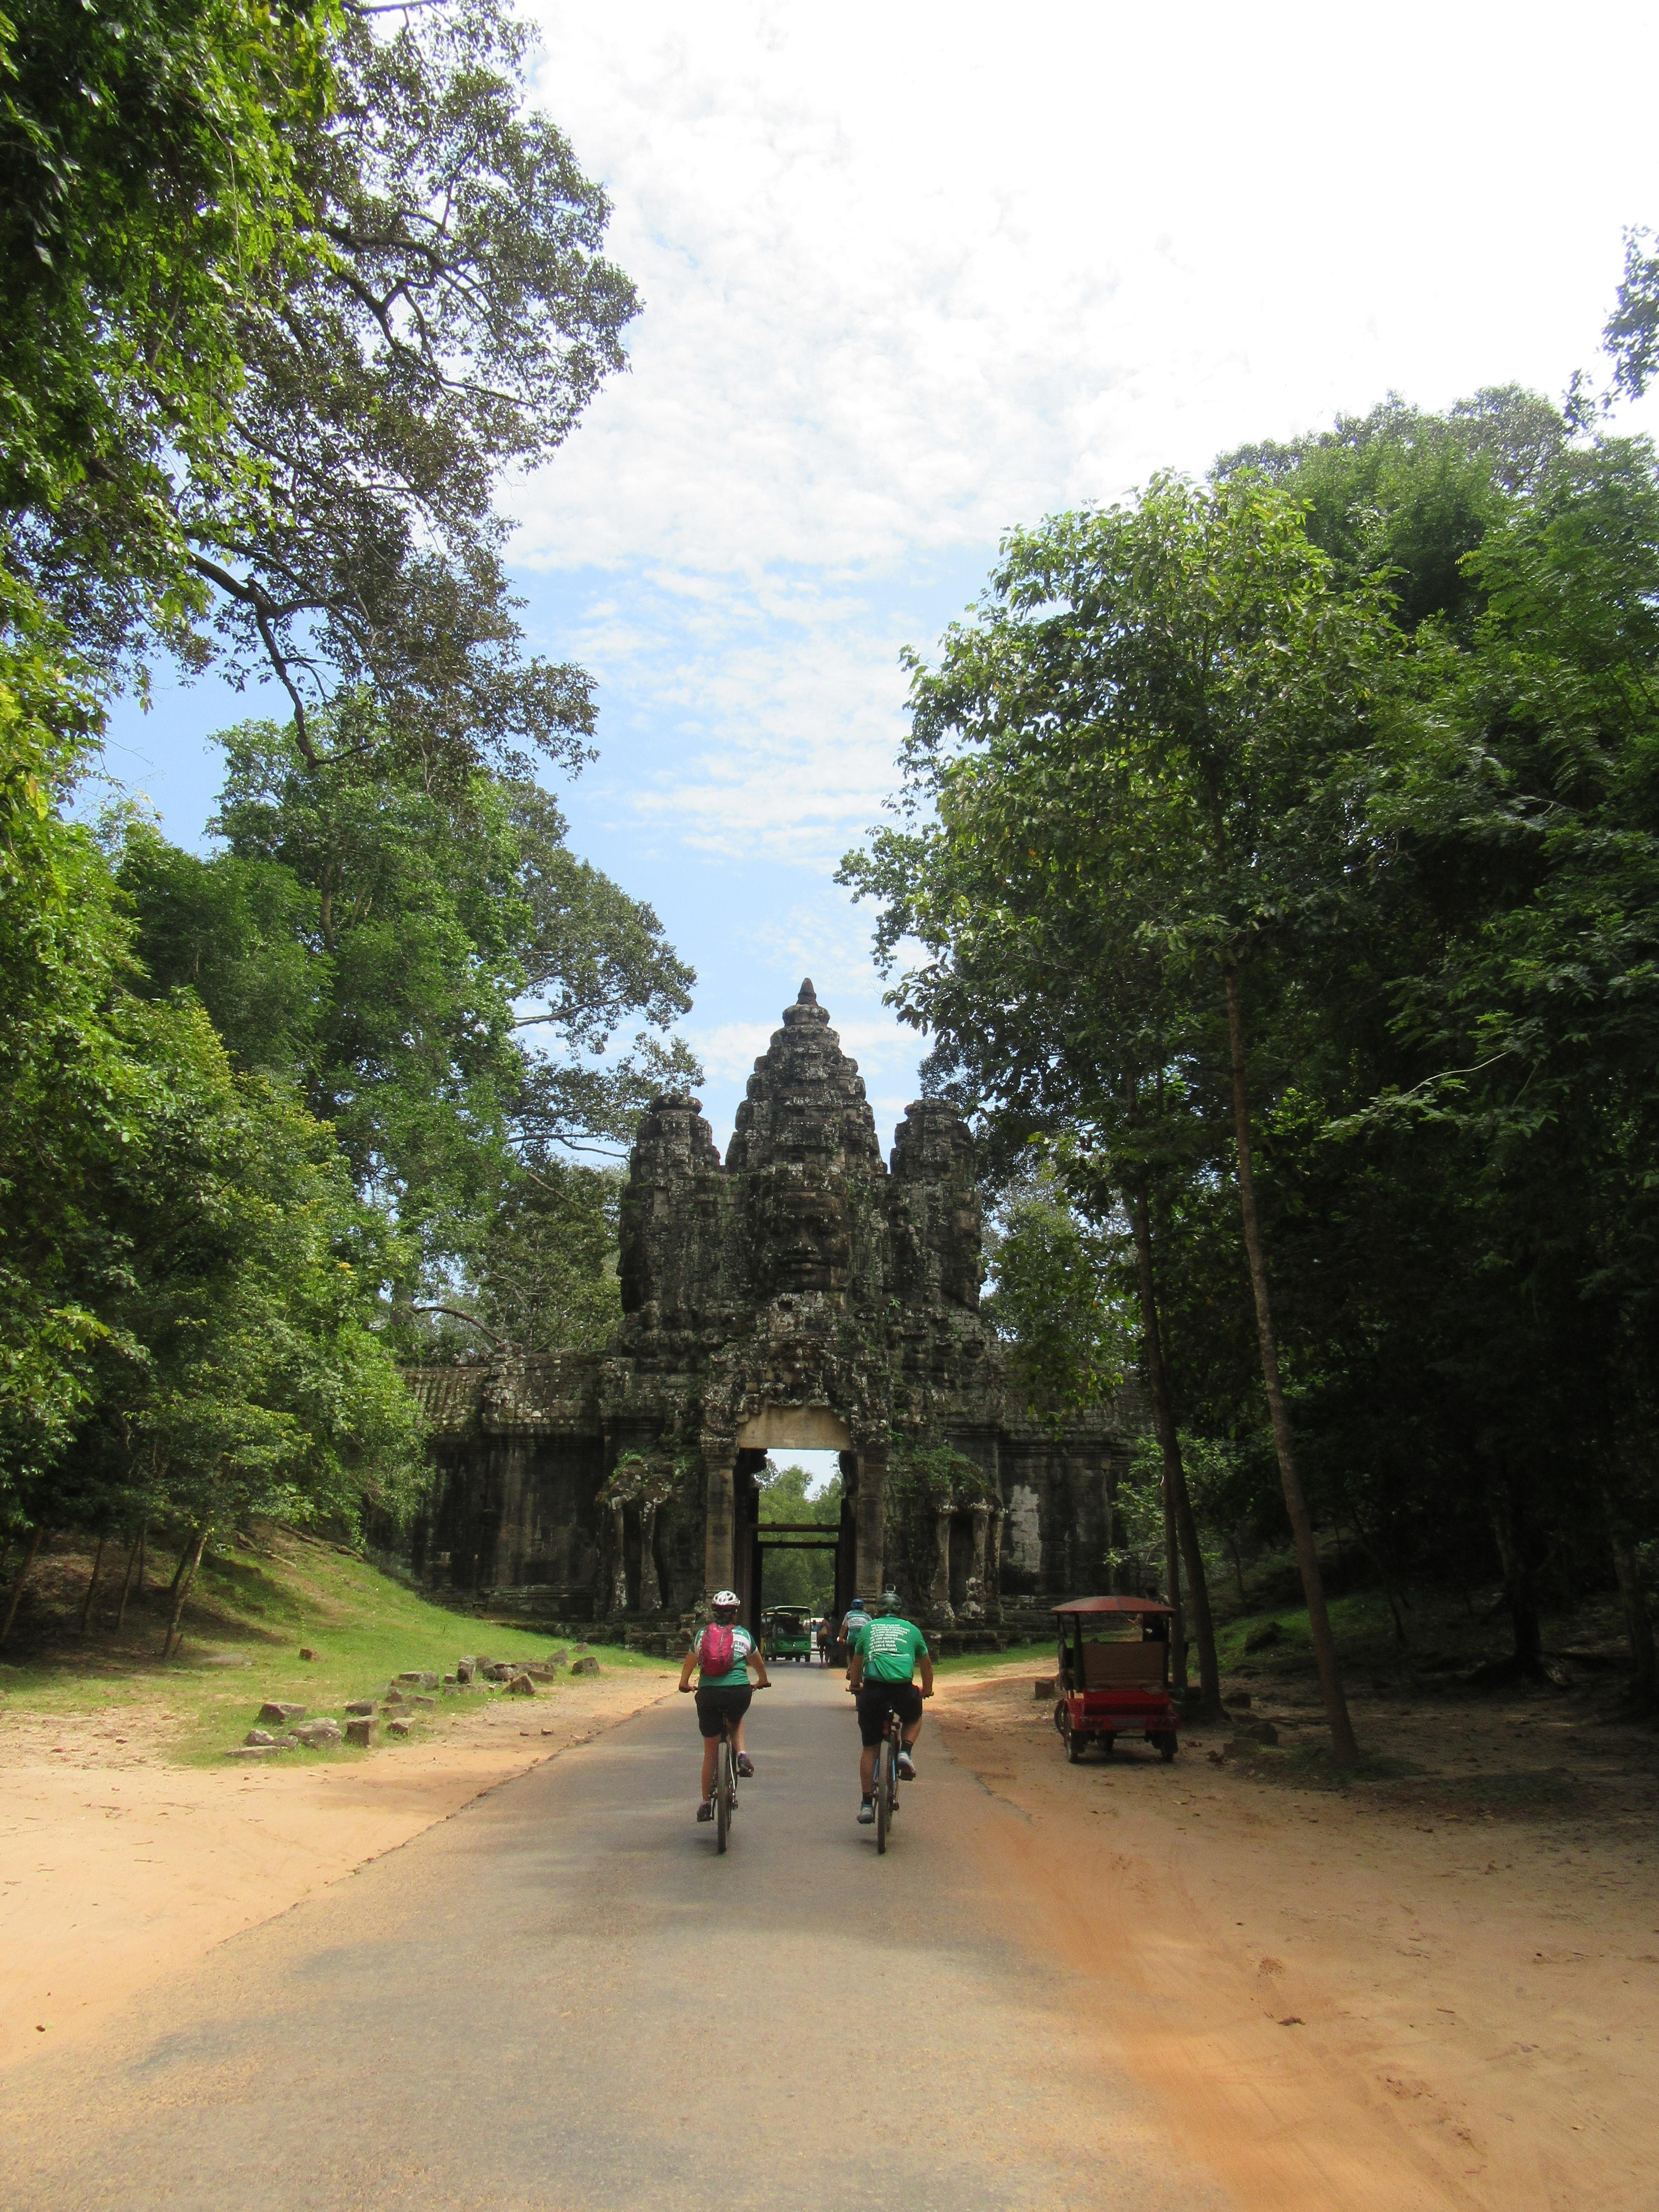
(806, 996)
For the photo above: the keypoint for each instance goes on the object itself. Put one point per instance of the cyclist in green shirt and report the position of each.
(881, 1667)
(720, 1657)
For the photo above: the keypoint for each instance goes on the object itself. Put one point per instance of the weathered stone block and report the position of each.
(587, 1666)
(359, 1728)
(521, 1687)
(280, 1715)
(360, 1708)
(317, 1735)
(255, 1736)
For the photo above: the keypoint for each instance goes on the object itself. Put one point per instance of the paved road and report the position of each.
(562, 2000)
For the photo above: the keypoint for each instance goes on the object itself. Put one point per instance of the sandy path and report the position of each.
(117, 1869)
(1316, 1988)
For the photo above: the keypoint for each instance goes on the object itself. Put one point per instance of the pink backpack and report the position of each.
(718, 1642)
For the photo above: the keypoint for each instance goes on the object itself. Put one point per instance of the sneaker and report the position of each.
(706, 1810)
(867, 1812)
(746, 1766)
(907, 1767)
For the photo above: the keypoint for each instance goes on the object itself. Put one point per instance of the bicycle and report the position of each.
(726, 1786)
(887, 1778)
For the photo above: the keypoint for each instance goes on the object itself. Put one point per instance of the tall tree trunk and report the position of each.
(143, 1550)
(1172, 1585)
(183, 1592)
(1237, 1557)
(1176, 1492)
(1638, 1621)
(1509, 1527)
(1345, 1750)
(92, 1584)
(35, 1535)
(179, 1571)
(134, 1553)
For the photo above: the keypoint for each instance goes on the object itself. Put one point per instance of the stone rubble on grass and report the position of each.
(315, 1735)
(415, 1679)
(257, 1736)
(359, 1728)
(360, 1709)
(306, 1651)
(520, 1686)
(273, 1709)
(464, 1670)
(589, 1665)
(399, 1727)
(255, 1751)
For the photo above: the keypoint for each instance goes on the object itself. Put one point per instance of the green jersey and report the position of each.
(737, 1675)
(892, 1649)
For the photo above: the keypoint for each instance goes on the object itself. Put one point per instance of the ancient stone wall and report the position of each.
(802, 1292)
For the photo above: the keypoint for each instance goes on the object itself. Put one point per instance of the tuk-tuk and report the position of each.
(786, 1633)
(1114, 1674)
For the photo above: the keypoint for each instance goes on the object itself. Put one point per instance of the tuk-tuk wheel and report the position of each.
(1060, 1718)
(1075, 1744)
(1166, 1748)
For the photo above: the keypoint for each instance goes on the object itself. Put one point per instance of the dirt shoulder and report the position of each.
(117, 1866)
(1450, 1975)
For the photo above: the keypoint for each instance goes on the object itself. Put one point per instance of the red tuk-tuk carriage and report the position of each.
(1114, 1677)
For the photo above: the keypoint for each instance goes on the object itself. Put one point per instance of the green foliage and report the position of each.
(388, 948)
(1061, 1302)
(1371, 723)
(290, 288)
(806, 1578)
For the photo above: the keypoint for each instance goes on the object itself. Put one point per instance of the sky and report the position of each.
(913, 276)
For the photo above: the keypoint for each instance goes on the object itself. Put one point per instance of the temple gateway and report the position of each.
(802, 1295)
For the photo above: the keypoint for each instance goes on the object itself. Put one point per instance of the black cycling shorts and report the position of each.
(722, 1701)
(877, 1700)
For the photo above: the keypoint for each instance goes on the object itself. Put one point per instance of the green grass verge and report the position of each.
(1040, 1655)
(255, 1611)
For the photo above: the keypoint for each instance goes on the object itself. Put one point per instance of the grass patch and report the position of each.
(256, 1610)
(1040, 1655)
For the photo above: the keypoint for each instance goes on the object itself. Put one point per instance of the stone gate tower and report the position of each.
(803, 1294)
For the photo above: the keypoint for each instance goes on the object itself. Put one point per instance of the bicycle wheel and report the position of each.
(723, 1794)
(884, 1785)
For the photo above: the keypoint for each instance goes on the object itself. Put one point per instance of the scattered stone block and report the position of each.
(306, 1651)
(280, 1714)
(360, 1708)
(521, 1687)
(1043, 1687)
(558, 1658)
(318, 1735)
(590, 1665)
(359, 1728)
(465, 1669)
(399, 1727)
(254, 1751)
(582, 1647)
(257, 1737)
(417, 1680)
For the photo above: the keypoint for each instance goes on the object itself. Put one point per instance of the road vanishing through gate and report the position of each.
(561, 1999)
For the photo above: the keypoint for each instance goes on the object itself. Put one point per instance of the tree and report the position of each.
(391, 949)
(800, 1577)
(1142, 756)
(304, 286)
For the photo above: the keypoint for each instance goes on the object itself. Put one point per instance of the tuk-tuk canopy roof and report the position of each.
(1139, 1605)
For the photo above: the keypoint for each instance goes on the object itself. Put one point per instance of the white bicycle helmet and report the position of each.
(723, 1598)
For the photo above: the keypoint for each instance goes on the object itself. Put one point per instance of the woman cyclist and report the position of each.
(720, 1656)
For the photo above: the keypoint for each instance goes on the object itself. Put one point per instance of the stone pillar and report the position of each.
(993, 1565)
(871, 1523)
(938, 1597)
(973, 1605)
(619, 1604)
(720, 1521)
(650, 1588)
